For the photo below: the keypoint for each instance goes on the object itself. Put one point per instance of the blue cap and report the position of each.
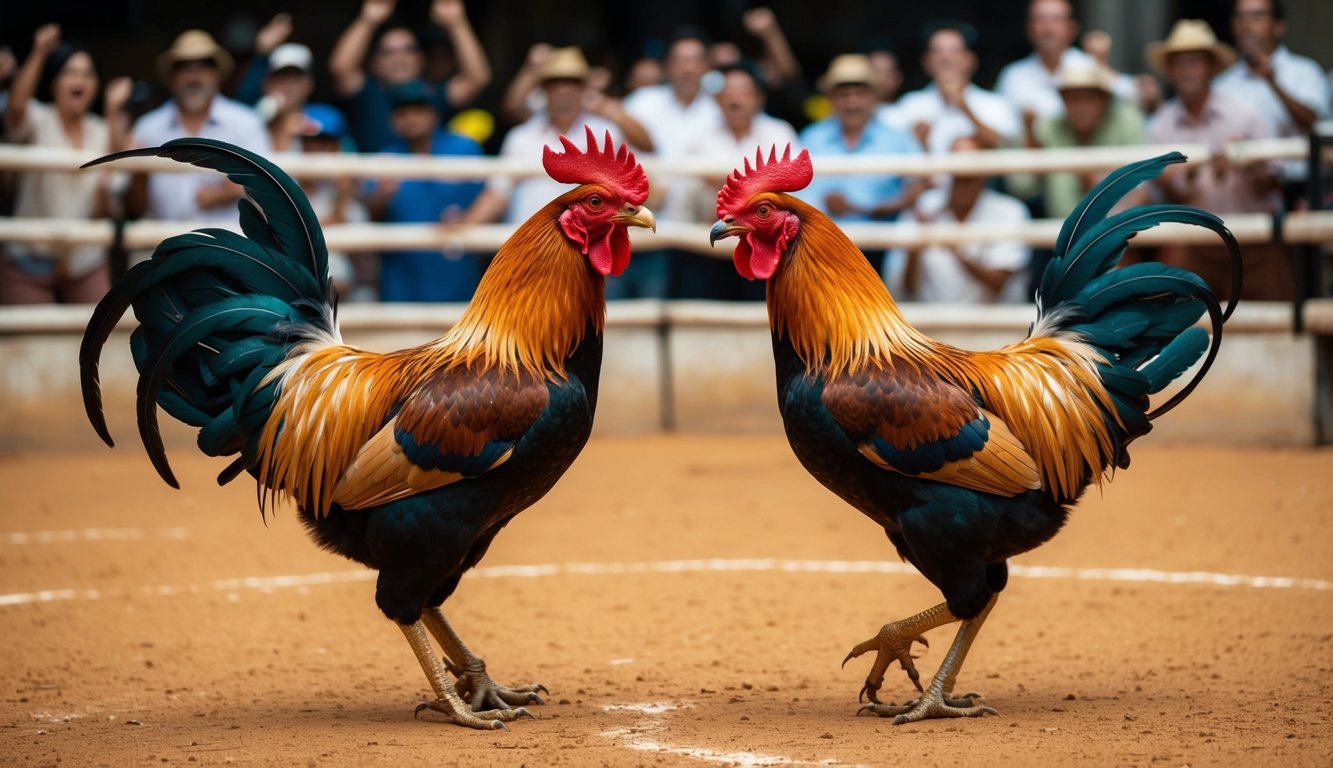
(324, 120)
(410, 92)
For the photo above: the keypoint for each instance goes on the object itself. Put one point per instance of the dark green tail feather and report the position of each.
(217, 310)
(1141, 317)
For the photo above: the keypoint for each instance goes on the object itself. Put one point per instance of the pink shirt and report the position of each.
(1223, 119)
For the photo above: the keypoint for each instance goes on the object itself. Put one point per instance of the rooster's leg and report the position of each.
(937, 700)
(894, 643)
(473, 683)
(447, 701)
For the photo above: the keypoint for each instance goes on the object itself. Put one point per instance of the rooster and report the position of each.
(409, 462)
(966, 458)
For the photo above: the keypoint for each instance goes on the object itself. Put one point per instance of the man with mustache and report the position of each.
(193, 68)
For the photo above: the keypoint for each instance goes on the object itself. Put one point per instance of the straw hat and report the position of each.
(849, 69)
(1190, 35)
(194, 45)
(563, 64)
(1085, 75)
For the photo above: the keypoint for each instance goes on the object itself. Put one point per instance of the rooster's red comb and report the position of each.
(616, 169)
(773, 175)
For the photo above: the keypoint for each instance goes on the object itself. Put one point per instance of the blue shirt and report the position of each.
(864, 192)
(368, 111)
(430, 275)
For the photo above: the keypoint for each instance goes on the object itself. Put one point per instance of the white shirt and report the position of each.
(940, 276)
(171, 195)
(671, 125)
(60, 194)
(948, 122)
(1301, 78)
(717, 142)
(1029, 85)
(525, 142)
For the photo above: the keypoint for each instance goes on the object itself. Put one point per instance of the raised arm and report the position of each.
(44, 41)
(778, 63)
(474, 71)
(514, 105)
(346, 63)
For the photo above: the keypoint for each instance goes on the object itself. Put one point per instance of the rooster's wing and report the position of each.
(458, 423)
(906, 420)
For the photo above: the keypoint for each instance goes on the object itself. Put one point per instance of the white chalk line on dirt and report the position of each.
(93, 534)
(711, 565)
(638, 737)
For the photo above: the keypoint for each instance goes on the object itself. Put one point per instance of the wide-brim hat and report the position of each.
(1189, 35)
(194, 45)
(563, 64)
(849, 69)
(1083, 75)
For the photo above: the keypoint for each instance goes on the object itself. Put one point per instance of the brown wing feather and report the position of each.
(459, 422)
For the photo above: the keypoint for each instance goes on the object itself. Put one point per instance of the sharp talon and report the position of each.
(863, 710)
(498, 725)
(534, 698)
(922, 639)
(416, 712)
(542, 688)
(850, 656)
(523, 712)
(989, 711)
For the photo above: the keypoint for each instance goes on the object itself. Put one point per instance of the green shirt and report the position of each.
(1121, 125)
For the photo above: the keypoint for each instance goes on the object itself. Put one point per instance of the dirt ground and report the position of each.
(687, 601)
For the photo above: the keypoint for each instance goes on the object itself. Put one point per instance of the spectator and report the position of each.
(278, 82)
(66, 77)
(977, 273)
(1190, 57)
(673, 113)
(645, 72)
(1092, 116)
(397, 59)
(889, 76)
(193, 68)
(1290, 92)
(742, 126)
(424, 275)
(544, 68)
(323, 131)
(951, 106)
(1030, 83)
(777, 64)
(852, 86)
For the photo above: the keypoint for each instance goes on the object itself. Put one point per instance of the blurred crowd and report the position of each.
(410, 86)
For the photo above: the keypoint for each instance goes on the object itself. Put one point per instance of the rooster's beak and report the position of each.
(724, 229)
(638, 216)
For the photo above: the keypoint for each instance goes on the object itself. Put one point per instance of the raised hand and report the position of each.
(273, 34)
(447, 13)
(377, 11)
(117, 94)
(46, 38)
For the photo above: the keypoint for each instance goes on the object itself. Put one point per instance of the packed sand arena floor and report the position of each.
(687, 601)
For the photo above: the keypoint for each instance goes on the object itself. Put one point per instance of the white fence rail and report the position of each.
(1311, 227)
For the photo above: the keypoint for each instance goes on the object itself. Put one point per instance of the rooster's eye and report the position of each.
(763, 211)
(595, 201)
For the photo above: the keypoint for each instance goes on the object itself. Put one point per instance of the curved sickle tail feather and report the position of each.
(1140, 318)
(217, 310)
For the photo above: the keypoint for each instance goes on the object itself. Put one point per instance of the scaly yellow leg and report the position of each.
(473, 682)
(938, 700)
(447, 701)
(894, 643)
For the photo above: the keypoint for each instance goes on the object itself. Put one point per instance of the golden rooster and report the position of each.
(409, 462)
(965, 458)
